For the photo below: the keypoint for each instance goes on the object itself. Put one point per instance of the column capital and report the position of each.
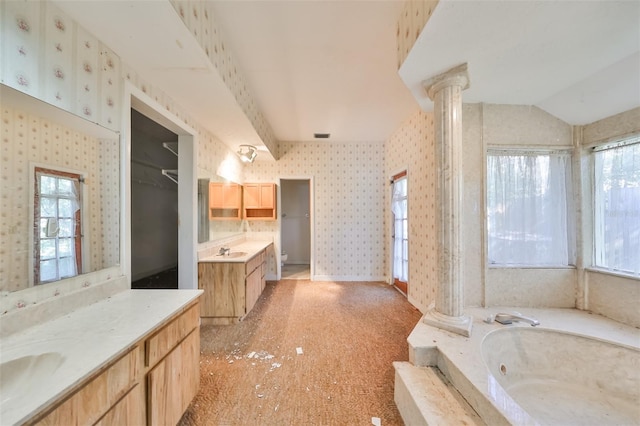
(456, 76)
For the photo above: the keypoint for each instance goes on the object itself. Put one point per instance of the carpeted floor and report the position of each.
(348, 335)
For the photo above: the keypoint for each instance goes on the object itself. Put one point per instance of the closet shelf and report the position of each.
(171, 174)
(171, 146)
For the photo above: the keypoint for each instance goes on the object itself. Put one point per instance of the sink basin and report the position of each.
(234, 254)
(20, 375)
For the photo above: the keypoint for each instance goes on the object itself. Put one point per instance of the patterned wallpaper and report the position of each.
(48, 56)
(199, 17)
(414, 17)
(30, 139)
(412, 148)
(349, 196)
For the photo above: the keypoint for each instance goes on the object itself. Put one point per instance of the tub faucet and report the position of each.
(503, 318)
(224, 251)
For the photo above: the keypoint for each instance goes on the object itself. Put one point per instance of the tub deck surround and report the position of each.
(84, 342)
(461, 362)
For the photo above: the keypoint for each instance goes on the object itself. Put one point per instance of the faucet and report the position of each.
(224, 251)
(504, 318)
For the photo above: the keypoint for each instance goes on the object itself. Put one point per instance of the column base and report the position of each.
(459, 325)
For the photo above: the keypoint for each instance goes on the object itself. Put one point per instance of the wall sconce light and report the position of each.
(250, 155)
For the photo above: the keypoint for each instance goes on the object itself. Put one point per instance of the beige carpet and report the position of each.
(348, 334)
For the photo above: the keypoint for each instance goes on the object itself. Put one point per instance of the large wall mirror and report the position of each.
(217, 229)
(60, 194)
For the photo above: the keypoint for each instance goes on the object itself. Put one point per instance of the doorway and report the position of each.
(295, 229)
(186, 182)
(154, 204)
(400, 231)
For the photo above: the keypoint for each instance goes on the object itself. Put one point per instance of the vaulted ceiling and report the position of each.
(330, 66)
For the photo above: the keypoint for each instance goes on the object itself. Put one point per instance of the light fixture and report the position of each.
(250, 155)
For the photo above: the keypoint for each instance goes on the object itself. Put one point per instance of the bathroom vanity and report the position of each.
(132, 358)
(233, 282)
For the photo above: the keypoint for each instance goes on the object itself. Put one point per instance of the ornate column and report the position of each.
(445, 90)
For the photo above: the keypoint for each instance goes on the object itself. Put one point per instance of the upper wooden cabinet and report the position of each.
(259, 201)
(225, 201)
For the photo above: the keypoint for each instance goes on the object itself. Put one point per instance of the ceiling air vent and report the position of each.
(321, 135)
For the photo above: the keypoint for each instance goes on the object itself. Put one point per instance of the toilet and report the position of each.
(283, 258)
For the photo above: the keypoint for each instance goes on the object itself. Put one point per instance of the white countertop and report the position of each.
(250, 247)
(87, 339)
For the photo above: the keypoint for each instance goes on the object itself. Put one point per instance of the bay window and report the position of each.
(617, 206)
(530, 209)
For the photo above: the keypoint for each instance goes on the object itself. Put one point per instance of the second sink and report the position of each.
(234, 254)
(21, 375)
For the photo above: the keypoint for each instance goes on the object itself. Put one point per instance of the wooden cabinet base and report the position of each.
(174, 382)
(231, 289)
(153, 383)
(221, 320)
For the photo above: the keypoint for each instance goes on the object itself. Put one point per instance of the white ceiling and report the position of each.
(320, 66)
(578, 60)
(330, 66)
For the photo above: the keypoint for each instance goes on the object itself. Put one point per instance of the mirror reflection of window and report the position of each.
(57, 218)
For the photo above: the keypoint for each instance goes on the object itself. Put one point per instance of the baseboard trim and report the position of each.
(347, 278)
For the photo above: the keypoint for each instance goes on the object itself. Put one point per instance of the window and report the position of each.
(57, 235)
(400, 231)
(617, 207)
(529, 210)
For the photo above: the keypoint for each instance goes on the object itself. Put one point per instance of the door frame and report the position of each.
(312, 216)
(405, 171)
(135, 98)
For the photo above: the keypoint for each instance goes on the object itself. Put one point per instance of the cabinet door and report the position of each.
(161, 343)
(96, 398)
(130, 410)
(216, 196)
(223, 285)
(231, 196)
(254, 287)
(252, 194)
(267, 196)
(174, 382)
(224, 195)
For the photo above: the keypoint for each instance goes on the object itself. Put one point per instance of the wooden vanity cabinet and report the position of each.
(153, 383)
(231, 289)
(259, 201)
(172, 384)
(102, 395)
(225, 201)
(172, 357)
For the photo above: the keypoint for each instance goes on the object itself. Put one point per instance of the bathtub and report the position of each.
(549, 377)
(574, 369)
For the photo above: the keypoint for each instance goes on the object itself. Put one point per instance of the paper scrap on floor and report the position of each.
(376, 421)
(299, 350)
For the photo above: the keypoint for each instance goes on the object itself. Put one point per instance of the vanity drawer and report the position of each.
(128, 411)
(161, 343)
(254, 263)
(96, 398)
